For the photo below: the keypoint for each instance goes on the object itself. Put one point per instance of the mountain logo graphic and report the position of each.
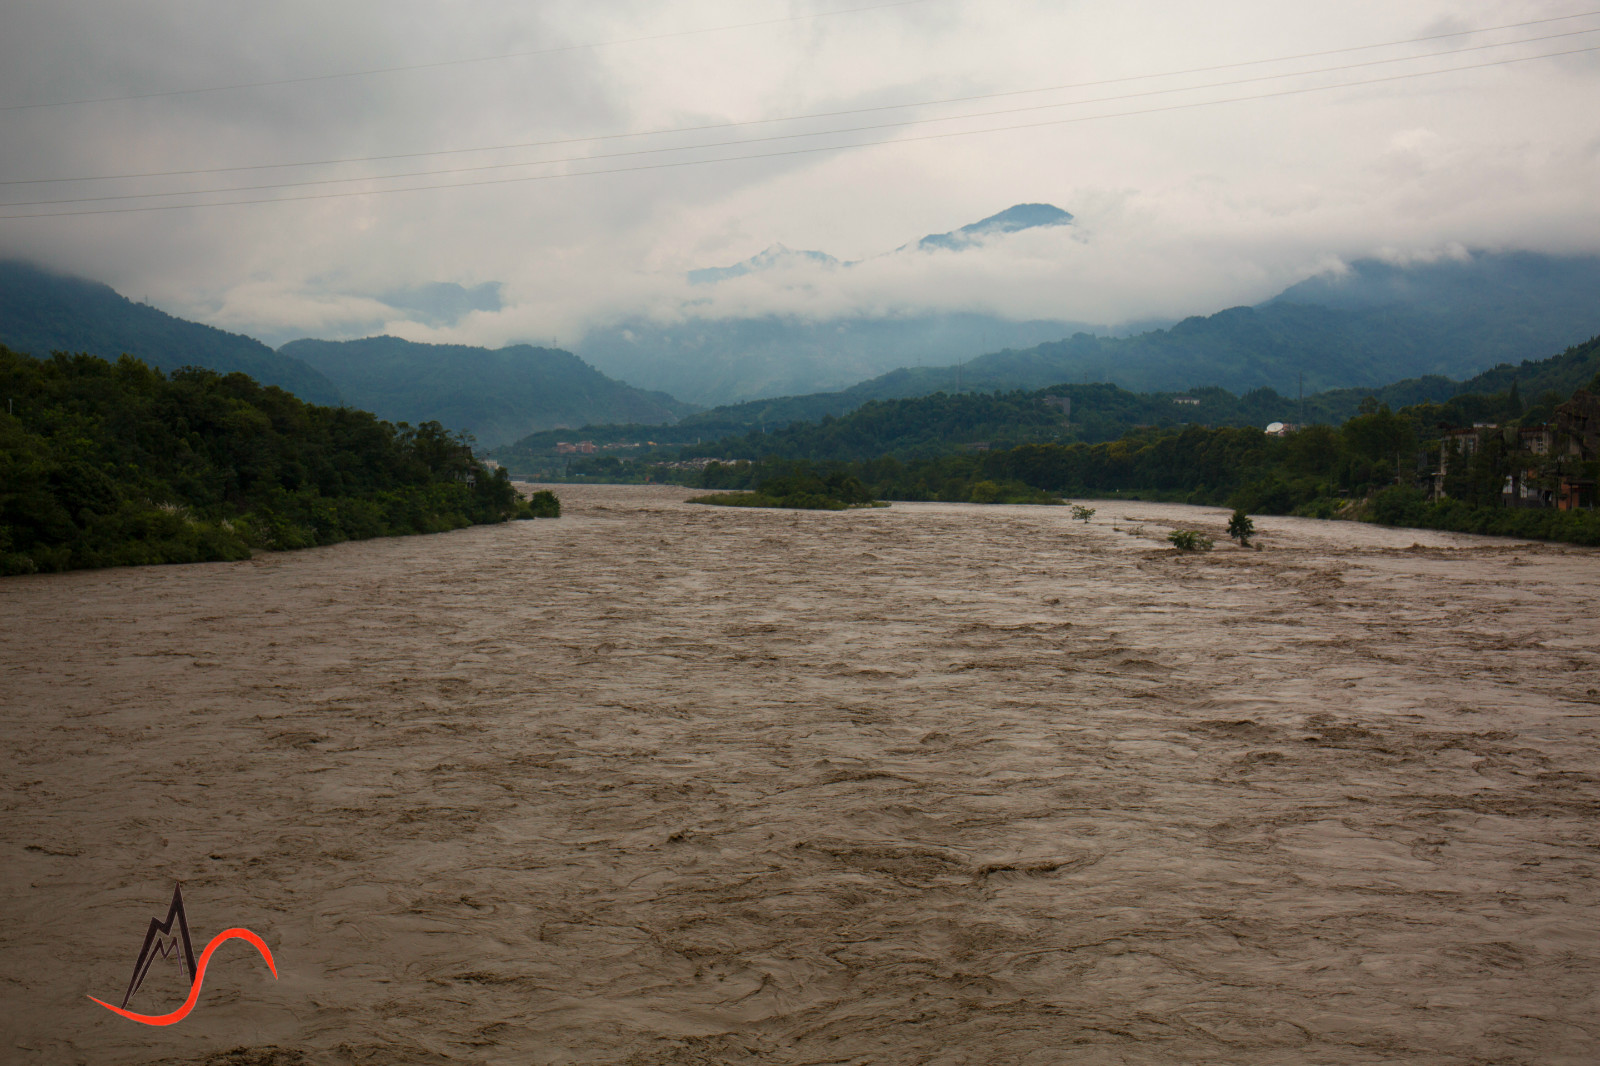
(160, 941)
(155, 946)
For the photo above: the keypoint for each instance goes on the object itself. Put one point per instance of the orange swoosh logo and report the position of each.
(199, 977)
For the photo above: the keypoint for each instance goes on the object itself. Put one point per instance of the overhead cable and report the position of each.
(457, 62)
(814, 149)
(705, 146)
(841, 113)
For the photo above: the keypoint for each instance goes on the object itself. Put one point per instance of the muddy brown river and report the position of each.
(660, 783)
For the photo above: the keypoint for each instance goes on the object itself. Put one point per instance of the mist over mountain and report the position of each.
(775, 257)
(1360, 325)
(443, 303)
(732, 360)
(496, 395)
(1366, 326)
(1406, 333)
(716, 360)
(1522, 287)
(1013, 219)
(43, 312)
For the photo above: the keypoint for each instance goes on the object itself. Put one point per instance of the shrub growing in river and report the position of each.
(1241, 528)
(1190, 540)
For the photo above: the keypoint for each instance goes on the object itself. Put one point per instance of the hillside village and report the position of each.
(1547, 465)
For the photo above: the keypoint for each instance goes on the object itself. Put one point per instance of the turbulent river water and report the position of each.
(661, 783)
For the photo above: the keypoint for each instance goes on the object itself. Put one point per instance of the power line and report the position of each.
(815, 149)
(458, 62)
(873, 128)
(843, 113)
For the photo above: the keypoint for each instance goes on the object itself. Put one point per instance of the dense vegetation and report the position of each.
(1377, 465)
(923, 427)
(108, 464)
(41, 312)
(799, 492)
(542, 504)
(936, 425)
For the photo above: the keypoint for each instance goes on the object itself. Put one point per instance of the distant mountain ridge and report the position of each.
(710, 362)
(1363, 326)
(1502, 312)
(496, 395)
(730, 360)
(1373, 325)
(1447, 285)
(43, 312)
(774, 257)
(1395, 330)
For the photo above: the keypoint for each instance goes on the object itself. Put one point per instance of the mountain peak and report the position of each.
(772, 258)
(1012, 219)
(776, 257)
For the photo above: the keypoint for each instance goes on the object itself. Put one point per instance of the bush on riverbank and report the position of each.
(544, 504)
(115, 464)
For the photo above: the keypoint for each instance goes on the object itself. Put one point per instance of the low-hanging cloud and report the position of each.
(1177, 212)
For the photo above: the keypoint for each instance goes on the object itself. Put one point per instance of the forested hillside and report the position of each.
(940, 424)
(41, 313)
(1559, 374)
(108, 464)
(933, 425)
(1378, 465)
(495, 395)
(846, 426)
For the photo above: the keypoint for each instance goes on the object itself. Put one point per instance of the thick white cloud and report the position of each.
(1179, 211)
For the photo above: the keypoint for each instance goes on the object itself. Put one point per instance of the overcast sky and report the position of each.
(1180, 210)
